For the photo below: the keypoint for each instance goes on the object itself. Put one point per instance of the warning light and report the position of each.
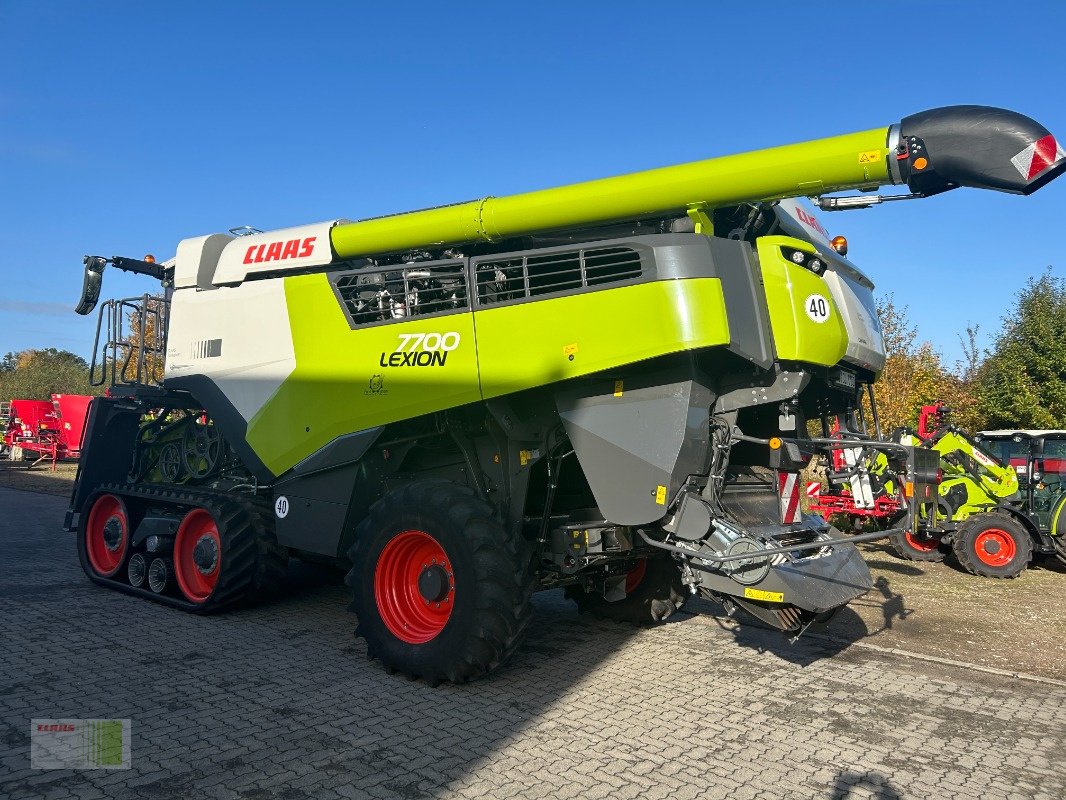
(775, 443)
(908, 489)
(840, 244)
(150, 259)
(921, 163)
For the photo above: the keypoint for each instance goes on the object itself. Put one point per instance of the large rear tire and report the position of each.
(442, 589)
(654, 591)
(917, 547)
(993, 545)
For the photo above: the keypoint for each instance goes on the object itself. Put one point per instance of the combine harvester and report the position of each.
(603, 387)
(39, 430)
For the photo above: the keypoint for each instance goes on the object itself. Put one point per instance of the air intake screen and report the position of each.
(401, 293)
(554, 273)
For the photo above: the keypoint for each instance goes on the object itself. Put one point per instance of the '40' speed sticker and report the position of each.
(817, 308)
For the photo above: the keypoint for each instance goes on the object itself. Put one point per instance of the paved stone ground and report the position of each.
(280, 702)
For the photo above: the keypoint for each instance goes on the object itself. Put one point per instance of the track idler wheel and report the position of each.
(917, 546)
(993, 545)
(441, 588)
(106, 535)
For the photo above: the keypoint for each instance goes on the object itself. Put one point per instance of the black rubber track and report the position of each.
(493, 582)
(655, 598)
(902, 548)
(964, 545)
(253, 565)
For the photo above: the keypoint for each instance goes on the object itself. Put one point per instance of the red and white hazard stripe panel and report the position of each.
(788, 483)
(1038, 156)
(814, 491)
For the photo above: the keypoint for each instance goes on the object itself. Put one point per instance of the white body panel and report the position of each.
(239, 337)
(196, 259)
(274, 251)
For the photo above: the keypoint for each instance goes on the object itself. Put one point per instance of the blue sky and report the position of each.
(125, 127)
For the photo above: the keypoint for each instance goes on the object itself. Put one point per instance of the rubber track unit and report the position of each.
(903, 549)
(253, 565)
(488, 623)
(1004, 522)
(659, 594)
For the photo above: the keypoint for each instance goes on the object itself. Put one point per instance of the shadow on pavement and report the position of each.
(870, 784)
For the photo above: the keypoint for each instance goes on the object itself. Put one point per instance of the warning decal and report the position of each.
(1038, 156)
(869, 156)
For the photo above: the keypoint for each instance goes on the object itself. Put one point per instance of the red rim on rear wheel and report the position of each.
(414, 587)
(197, 555)
(926, 545)
(995, 547)
(107, 535)
(636, 575)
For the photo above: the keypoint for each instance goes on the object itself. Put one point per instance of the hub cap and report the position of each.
(107, 535)
(995, 547)
(414, 587)
(636, 575)
(205, 554)
(197, 555)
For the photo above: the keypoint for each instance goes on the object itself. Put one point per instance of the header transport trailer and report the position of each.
(40, 430)
(603, 387)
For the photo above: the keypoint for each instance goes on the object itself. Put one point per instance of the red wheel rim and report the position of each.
(636, 575)
(197, 555)
(414, 587)
(995, 547)
(926, 545)
(107, 535)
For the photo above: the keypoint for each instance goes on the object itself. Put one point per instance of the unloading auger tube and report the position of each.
(931, 152)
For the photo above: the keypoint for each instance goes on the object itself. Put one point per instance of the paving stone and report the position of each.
(280, 703)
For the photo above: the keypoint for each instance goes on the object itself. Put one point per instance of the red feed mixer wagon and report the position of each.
(46, 430)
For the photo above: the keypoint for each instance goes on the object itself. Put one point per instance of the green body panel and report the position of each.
(856, 160)
(348, 380)
(339, 385)
(789, 287)
(532, 344)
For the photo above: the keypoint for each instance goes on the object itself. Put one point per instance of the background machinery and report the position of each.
(980, 515)
(602, 387)
(43, 430)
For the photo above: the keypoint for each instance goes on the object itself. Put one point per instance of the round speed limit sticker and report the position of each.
(817, 308)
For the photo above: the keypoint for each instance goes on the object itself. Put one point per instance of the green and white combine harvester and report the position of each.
(603, 387)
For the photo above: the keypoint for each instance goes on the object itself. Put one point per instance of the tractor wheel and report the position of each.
(916, 547)
(442, 590)
(654, 591)
(993, 545)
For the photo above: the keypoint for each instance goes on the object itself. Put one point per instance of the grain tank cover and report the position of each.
(283, 250)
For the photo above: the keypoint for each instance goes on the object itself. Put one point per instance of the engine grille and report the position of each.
(401, 293)
(501, 280)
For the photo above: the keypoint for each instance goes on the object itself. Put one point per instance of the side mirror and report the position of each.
(90, 287)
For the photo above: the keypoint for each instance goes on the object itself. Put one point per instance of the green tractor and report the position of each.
(979, 514)
(1038, 457)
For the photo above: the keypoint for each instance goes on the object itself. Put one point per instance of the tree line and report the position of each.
(1017, 382)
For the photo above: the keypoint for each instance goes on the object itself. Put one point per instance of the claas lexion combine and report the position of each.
(603, 387)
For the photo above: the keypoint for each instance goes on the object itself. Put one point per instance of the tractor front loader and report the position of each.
(601, 387)
(978, 514)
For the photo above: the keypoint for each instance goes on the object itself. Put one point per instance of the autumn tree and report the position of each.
(37, 374)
